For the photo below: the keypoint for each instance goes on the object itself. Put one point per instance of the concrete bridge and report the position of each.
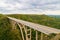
(41, 32)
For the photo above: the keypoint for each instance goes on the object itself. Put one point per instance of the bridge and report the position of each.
(41, 32)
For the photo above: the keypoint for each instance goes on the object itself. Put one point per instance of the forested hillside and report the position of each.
(6, 31)
(57, 17)
(40, 19)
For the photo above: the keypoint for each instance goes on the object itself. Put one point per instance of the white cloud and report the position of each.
(55, 12)
(2, 4)
(32, 6)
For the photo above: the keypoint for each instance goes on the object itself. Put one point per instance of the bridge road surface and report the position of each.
(44, 29)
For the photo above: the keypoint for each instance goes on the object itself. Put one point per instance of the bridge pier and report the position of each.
(13, 24)
(21, 28)
(41, 28)
(26, 30)
(36, 35)
(28, 33)
(57, 37)
(41, 36)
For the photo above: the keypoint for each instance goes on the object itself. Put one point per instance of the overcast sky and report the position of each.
(50, 7)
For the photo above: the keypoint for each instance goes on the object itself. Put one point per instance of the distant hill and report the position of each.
(55, 16)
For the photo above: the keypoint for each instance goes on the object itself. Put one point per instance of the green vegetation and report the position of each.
(57, 17)
(40, 19)
(6, 31)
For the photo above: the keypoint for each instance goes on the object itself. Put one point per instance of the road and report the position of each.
(44, 29)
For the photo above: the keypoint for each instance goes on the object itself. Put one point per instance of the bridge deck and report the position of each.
(44, 29)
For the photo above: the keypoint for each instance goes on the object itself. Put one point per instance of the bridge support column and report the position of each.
(21, 28)
(13, 24)
(26, 30)
(36, 35)
(41, 36)
(28, 33)
(45, 37)
(57, 37)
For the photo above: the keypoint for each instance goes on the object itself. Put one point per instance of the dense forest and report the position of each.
(7, 33)
(57, 17)
(40, 19)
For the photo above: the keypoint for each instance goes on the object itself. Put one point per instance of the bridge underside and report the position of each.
(28, 33)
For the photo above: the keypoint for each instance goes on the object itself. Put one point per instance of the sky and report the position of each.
(48, 7)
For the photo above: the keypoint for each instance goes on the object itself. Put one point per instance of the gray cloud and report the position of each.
(29, 5)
